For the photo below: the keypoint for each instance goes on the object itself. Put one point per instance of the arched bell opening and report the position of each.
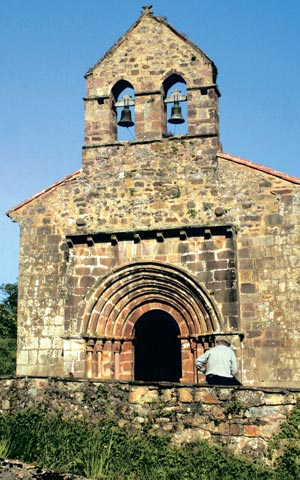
(123, 108)
(157, 348)
(175, 104)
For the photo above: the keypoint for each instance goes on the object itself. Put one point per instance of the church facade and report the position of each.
(132, 265)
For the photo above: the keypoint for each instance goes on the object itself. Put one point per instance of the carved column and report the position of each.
(89, 358)
(107, 363)
(193, 346)
(116, 352)
(187, 360)
(199, 349)
(99, 350)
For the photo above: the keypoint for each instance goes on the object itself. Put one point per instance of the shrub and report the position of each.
(284, 449)
(8, 347)
(102, 450)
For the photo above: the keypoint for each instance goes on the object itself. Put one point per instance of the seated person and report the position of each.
(219, 363)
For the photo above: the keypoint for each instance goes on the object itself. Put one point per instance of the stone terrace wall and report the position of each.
(242, 419)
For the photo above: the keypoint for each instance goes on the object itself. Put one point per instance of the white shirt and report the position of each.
(220, 361)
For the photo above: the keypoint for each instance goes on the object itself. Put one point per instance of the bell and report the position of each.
(126, 120)
(176, 115)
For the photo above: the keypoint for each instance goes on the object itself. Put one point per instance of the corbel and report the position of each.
(70, 243)
(207, 233)
(114, 239)
(136, 238)
(160, 237)
(90, 241)
(229, 232)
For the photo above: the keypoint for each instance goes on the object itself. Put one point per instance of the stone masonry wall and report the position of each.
(147, 70)
(165, 185)
(266, 209)
(93, 258)
(242, 419)
(248, 284)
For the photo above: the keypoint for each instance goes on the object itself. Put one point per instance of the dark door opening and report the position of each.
(157, 348)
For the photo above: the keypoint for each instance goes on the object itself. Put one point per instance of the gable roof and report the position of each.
(257, 166)
(161, 20)
(225, 156)
(43, 192)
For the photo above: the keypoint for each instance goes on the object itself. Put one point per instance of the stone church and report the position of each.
(132, 265)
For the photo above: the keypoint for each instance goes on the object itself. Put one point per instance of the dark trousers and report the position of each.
(217, 380)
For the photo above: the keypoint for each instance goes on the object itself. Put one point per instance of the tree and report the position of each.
(8, 328)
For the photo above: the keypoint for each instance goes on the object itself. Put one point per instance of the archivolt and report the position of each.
(131, 290)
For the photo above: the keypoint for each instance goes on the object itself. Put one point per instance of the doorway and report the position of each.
(157, 348)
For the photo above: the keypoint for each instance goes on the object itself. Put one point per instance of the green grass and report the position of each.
(102, 450)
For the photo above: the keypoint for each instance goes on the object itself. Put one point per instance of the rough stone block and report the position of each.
(185, 395)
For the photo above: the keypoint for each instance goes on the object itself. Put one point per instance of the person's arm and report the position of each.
(201, 361)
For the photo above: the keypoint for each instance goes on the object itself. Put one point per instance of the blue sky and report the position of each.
(47, 46)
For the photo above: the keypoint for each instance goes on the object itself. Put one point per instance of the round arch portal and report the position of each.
(118, 306)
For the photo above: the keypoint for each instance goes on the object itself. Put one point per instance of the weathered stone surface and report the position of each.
(14, 470)
(166, 223)
(226, 416)
(143, 395)
(185, 395)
